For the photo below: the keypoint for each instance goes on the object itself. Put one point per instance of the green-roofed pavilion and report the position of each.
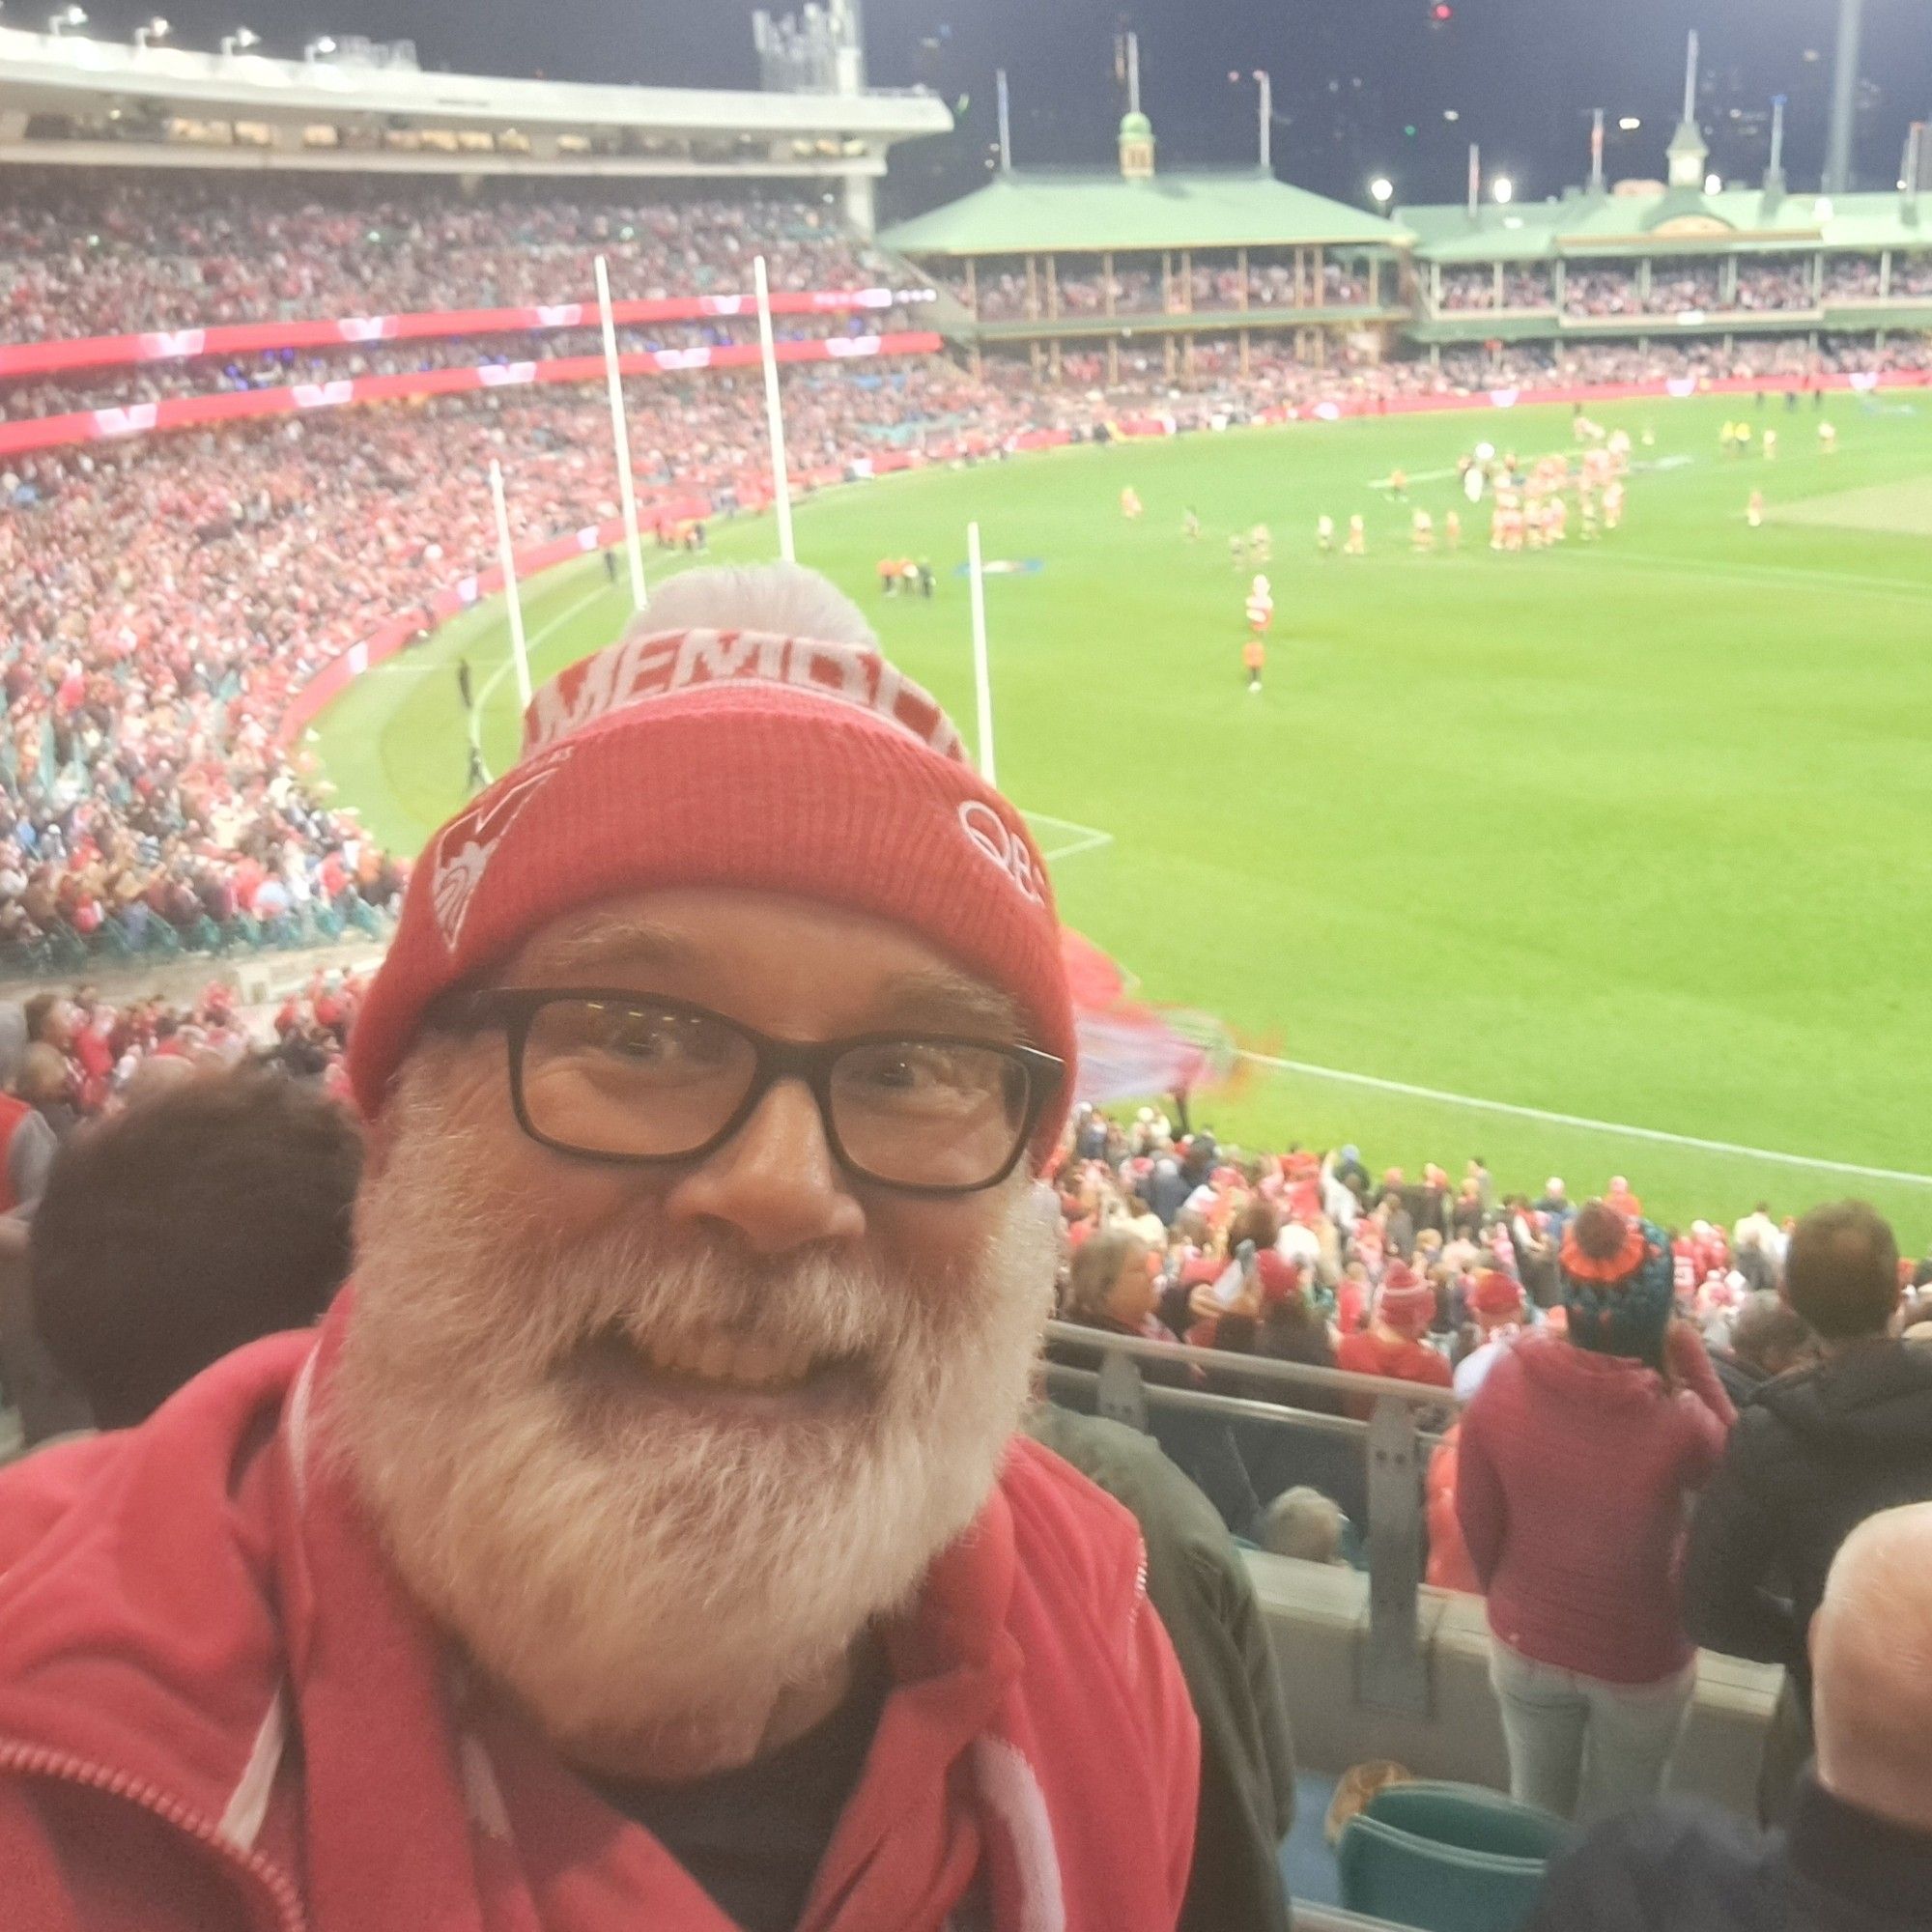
(1050, 211)
(1533, 252)
(1054, 261)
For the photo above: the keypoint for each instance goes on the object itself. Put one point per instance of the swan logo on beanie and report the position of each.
(730, 758)
(466, 842)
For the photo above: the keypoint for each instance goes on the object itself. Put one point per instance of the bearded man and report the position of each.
(645, 1539)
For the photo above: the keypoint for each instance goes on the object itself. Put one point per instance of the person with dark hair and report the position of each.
(207, 1217)
(1575, 1460)
(1814, 1454)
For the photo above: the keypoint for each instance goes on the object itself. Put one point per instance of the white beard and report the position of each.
(638, 1577)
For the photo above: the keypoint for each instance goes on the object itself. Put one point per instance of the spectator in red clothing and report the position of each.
(1449, 1566)
(1392, 1343)
(1576, 1460)
(1497, 1310)
(1620, 1196)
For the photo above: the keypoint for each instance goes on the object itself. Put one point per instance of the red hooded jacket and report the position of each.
(219, 1713)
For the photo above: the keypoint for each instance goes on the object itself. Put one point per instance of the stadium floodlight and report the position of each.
(66, 17)
(241, 41)
(1265, 105)
(157, 29)
(1382, 190)
(1504, 190)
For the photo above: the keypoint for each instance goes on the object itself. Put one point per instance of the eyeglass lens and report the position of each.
(637, 1081)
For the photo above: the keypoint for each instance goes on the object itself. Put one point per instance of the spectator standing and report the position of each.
(1858, 1854)
(1758, 1245)
(1574, 1464)
(1392, 1345)
(1814, 1453)
(1497, 1308)
(1398, 1224)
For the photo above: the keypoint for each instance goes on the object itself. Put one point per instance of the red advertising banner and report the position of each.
(300, 398)
(250, 338)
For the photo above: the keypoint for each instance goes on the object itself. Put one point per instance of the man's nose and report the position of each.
(775, 1181)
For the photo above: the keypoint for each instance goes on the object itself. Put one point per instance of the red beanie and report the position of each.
(1278, 1277)
(1495, 1297)
(729, 758)
(1406, 1302)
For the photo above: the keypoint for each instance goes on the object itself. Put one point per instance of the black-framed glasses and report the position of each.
(630, 1078)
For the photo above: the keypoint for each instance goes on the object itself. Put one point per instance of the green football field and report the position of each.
(1637, 832)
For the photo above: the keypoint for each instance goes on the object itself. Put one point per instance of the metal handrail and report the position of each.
(1392, 1668)
(1257, 1368)
(1206, 1401)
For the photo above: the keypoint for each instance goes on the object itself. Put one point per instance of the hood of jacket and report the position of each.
(1873, 1399)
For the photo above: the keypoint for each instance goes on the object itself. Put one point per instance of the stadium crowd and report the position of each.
(1602, 1363)
(1002, 295)
(89, 251)
(162, 597)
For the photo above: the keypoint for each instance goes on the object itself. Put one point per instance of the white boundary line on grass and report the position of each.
(487, 689)
(1553, 1118)
(1085, 838)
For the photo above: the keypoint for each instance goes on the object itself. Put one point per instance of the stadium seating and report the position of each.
(1446, 1859)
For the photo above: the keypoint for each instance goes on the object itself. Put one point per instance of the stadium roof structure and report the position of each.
(1669, 222)
(69, 99)
(1038, 211)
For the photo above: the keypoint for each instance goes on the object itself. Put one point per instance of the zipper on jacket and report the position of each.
(38, 1761)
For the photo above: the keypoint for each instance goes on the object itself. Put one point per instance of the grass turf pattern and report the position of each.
(1635, 829)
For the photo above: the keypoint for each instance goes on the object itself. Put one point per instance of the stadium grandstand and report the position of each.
(597, 1041)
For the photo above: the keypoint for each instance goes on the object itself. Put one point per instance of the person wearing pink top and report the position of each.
(1578, 1458)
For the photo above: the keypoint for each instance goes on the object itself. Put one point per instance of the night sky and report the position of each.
(1361, 86)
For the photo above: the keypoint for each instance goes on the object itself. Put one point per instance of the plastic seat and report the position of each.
(1471, 1818)
(1446, 1857)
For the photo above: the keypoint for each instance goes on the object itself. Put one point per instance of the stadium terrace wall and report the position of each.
(245, 338)
(107, 425)
(753, 490)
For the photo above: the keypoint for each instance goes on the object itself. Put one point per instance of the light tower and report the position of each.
(1775, 184)
(1689, 151)
(1844, 97)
